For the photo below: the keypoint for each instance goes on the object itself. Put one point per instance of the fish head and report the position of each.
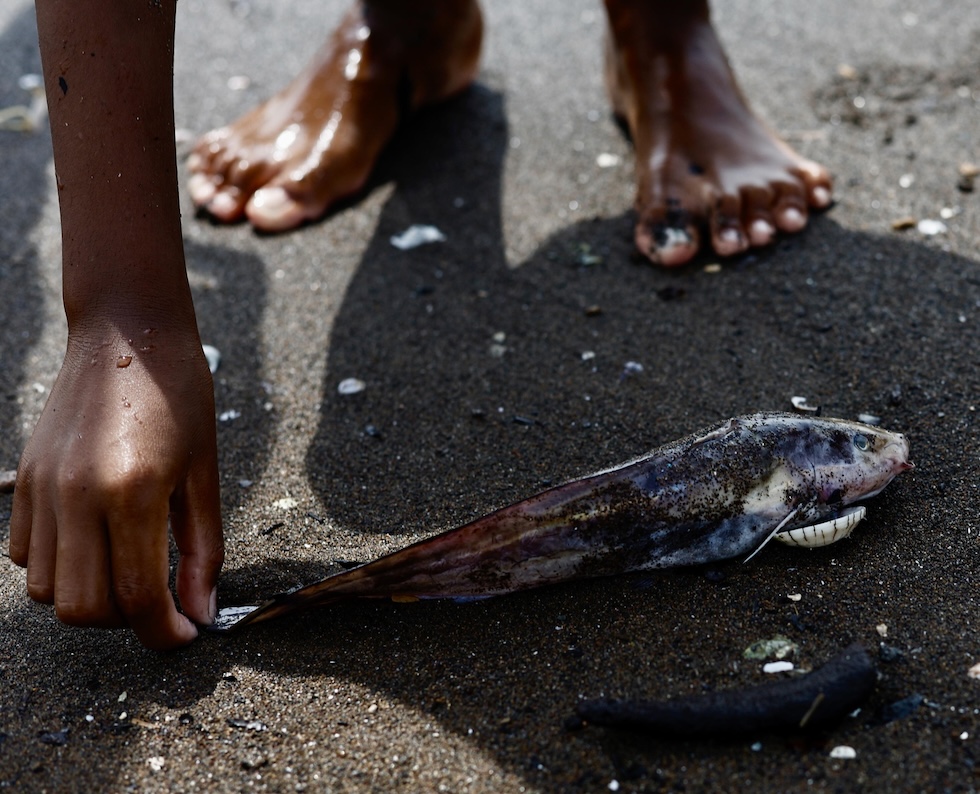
(852, 461)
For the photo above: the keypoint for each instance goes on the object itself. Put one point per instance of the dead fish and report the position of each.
(707, 497)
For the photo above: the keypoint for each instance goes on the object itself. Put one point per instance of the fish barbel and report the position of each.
(709, 496)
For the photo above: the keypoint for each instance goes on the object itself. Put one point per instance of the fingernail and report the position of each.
(213, 604)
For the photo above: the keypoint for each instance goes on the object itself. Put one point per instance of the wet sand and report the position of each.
(478, 391)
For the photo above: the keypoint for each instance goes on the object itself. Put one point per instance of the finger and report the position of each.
(20, 520)
(82, 589)
(140, 573)
(196, 523)
(41, 556)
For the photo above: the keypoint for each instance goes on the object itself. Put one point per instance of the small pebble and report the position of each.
(903, 223)
(238, 82)
(55, 738)
(869, 419)
(777, 667)
(213, 355)
(156, 762)
(931, 227)
(350, 386)
(889, 654)
(974, 672)
(843, 751)
(608, 160)
(416, 235)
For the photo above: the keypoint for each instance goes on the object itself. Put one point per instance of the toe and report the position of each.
(202, 188)
(727, 235)
(227, 204)
(817, 184)
(790, 216)
(666, 243)
(760, 232)
(272, 209)
(757, 219)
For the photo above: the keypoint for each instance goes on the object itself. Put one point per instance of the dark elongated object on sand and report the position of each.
(707, 497)
(812, 701)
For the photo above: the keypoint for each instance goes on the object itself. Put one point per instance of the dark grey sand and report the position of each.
(478, 393)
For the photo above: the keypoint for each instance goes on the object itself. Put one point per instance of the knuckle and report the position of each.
(135, 597)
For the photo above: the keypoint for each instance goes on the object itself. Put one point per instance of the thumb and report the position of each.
(195, 520)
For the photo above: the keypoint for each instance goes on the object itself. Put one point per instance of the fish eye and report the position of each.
(861, 442)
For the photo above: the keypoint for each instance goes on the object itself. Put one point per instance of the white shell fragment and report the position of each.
(974, 672)
(350, 386)
(930, 227)
(843, 751)
(825, 533)
(213, 355)
(416, 235)
(800, 404)
(608, 160)
(777, 667)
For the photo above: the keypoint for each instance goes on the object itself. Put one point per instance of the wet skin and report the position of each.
(317, 141)
(704, 161)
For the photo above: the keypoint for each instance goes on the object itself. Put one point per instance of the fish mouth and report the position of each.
(813, 536)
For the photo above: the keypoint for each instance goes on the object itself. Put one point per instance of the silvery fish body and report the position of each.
(710, 496)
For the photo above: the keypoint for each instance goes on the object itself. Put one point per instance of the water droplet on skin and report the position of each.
(124, 361)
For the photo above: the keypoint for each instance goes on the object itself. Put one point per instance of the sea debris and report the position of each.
(931, 227)
(811, 701)
(350, 386)
(800, 404)
(213, 355)
(415, 235)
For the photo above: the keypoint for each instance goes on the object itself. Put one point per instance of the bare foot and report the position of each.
(317, 141)
(703, 158)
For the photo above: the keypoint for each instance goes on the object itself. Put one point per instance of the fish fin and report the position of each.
(789, 517)
(718, 432)
(230, 617)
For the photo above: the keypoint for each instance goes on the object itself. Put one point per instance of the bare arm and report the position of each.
(127, 437)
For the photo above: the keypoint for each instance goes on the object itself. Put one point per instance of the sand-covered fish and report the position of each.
(710, 496)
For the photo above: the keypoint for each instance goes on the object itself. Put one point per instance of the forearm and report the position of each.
(108, 70)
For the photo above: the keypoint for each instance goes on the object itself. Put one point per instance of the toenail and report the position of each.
(820, 196)
(730, 235)
(666, 237)
(223, 205)
(793, 220)
(761, 231)
(270, 199)
(201, 188)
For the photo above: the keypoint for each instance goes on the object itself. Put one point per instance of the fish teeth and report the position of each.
(824, 533)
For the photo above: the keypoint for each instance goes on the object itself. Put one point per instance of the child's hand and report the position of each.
(126, 438)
